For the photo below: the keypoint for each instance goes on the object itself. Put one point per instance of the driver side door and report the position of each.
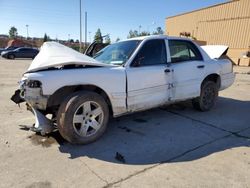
(148, 77)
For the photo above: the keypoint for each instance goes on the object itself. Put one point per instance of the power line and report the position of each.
(37, 10)
(35, 22)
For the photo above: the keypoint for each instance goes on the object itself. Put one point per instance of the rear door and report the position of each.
(32, 53)
(188, 69)
(29, 53)
(147, 78)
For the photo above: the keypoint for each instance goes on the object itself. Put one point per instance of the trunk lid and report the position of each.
(215, 51)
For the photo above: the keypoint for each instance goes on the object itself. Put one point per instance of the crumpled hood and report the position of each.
(215, 51)
(53, 54)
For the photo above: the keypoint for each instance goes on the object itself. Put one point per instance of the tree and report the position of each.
(133, 33)
(158, 31)
(98, 36)
(13, 32)
(71, 40)
(46, 38)
(144, 33)
(107, 39)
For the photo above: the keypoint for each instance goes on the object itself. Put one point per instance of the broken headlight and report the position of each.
(33, 84)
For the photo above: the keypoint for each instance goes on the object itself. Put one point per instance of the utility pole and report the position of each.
(89, 36)
(86, 28)
(27, 28)
(80, 26)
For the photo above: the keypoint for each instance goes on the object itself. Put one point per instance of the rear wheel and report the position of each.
(208, 96)
(83, 117)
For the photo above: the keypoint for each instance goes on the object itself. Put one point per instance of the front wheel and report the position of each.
(83, 117)
(208, 96)
(11, 56)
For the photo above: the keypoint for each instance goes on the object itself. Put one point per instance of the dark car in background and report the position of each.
(8, 49)
(20, 53)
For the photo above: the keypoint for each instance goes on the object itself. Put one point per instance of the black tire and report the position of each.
(11, 56)
(68, 110)
(208, 97)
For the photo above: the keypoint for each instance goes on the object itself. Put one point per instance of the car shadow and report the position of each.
(168, 134)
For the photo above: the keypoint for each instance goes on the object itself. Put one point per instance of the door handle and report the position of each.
(167, 71)
(201, 66)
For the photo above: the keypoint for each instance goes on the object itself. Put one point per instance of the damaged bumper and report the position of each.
(227, 80)
(43, 124)
(34, 97)
(16, 98)
(31, 92)
(36, 103)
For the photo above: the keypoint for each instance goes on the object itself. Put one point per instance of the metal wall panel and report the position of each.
(227, 23)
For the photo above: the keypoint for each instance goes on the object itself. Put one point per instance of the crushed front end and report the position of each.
(30, 91)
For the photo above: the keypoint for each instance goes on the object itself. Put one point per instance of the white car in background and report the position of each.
(81, 93)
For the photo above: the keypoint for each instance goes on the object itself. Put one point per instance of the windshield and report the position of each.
(118, 53)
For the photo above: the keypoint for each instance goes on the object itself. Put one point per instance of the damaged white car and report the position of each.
(81, 93)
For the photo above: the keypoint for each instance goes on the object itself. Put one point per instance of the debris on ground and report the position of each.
(37, 139)
(132, 131)
(125, 128)
(120, 157)
(25, 127)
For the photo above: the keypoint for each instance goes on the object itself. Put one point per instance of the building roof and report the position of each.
(212, 6)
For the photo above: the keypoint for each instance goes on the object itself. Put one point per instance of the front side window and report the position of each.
(153, 52)
(181, 50)
(118, 53)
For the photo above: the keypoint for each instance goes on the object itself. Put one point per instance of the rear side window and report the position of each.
(153, 52)
(24, 50)
(181, 50)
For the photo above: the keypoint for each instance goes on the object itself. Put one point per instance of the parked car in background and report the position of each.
(8, 48)
(81, 93)
(20, 53)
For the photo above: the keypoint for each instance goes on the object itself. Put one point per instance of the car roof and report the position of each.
(157, 37)
(26, 48)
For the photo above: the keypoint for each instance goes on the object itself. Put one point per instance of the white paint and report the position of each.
(110, 79)
(147, 87)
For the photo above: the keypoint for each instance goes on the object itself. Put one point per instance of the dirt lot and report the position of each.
(168, 147)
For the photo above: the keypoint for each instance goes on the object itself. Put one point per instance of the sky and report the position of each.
(60, 18)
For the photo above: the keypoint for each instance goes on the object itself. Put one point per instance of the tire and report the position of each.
(83, 117)
(208, 97)
(11, 56)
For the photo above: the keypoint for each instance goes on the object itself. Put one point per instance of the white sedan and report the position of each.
(81, 93)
